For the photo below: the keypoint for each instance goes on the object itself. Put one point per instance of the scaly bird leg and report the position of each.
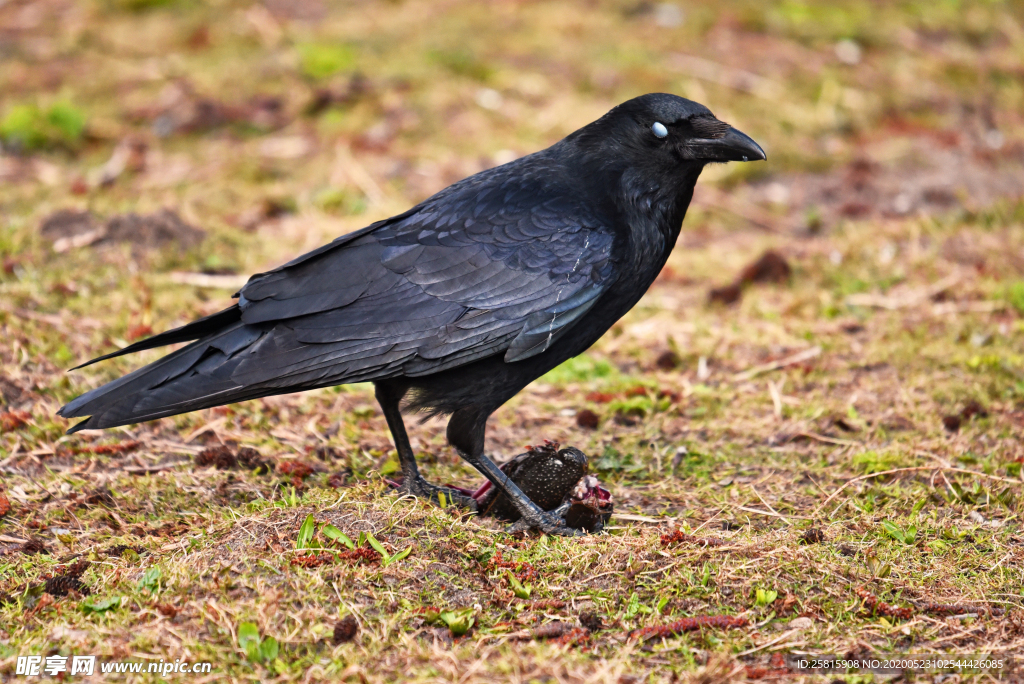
(466, 435)
(412, 482)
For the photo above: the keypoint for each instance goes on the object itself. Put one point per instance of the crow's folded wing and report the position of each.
(492, 265)
(479, 270)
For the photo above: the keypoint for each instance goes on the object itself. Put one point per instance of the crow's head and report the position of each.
(663, 131)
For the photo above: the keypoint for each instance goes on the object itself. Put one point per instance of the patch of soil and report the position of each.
(153, 230)
(13, 395)
(71, 230)
(770, 267)
(930, 178)
(182, 109)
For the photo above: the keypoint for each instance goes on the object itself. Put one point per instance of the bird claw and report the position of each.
(556, 482)
(548, 523)
(572, 519)
(422, 489)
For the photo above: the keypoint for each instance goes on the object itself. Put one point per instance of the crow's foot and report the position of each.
(551, 522)
(556, 481)
(441, 496)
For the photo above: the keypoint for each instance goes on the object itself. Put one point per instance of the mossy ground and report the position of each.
(893, 189)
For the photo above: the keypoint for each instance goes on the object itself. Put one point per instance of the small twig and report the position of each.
(771, 513)
(1008, 555)
(913, 299)
(827, 440)
(217, 281)
(146, 470)
(949, 487)
(785, 635)
(641, 518)
(769, 506)
(773, 390)
(776, 365)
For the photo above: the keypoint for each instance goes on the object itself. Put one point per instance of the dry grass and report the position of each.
(893, 191)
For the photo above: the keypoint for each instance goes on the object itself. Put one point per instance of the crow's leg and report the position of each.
(412, 482)
(466, 434)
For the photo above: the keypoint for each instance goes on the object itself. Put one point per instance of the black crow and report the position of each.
(455, 305)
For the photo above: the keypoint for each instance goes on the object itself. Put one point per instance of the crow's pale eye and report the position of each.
(659, 130)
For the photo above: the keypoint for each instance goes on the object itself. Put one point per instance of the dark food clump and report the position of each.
(219, 456)
(119, 550)
(813, 536)
(251, 459)
(591, 621)
(222, 458)
(587, 419)
(545, 474)
(553, 479)
(668, 360)
(345, 630)
(771, 267)
(971, 409)
(69, 580)
(33, 546)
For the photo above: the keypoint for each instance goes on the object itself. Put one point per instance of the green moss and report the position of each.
(1015, 295)
(580, 369)
(30, 127)
(323, 60)
(462, 62)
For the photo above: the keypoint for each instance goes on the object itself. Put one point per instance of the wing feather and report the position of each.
(503, 263)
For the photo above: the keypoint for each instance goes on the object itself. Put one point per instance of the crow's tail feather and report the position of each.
(194, 377)
(186, 333)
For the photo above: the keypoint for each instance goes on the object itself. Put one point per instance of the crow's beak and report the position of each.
(733, 146)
